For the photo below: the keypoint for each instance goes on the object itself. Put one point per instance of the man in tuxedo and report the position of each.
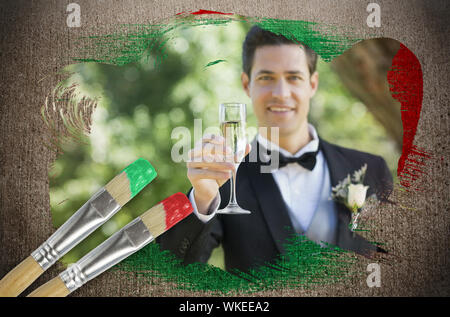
(280, 77)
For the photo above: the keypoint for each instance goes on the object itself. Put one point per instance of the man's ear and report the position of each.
(245, 83)
(314, 82)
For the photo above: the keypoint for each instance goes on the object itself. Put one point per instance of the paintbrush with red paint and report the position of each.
(131, 238)
(97, 210)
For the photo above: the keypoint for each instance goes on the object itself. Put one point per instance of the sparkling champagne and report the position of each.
(234, 133)
(232, 118)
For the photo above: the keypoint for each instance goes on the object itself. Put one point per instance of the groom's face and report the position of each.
(280, 87)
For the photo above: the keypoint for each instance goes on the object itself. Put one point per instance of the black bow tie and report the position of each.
(307, 160)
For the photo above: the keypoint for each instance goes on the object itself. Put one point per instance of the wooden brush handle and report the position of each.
(19, 278)
(53, 288)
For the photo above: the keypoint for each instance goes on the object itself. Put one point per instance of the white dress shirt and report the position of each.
(304, 192)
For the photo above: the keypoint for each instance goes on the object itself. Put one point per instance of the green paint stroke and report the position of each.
(325, 40)
(215, 62)
(305, 263)
(140, 173)
(131, 42)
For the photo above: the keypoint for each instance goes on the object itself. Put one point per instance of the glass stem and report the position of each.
(233, 188)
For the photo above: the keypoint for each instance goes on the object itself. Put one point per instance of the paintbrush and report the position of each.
(131, 238)
(96, 211)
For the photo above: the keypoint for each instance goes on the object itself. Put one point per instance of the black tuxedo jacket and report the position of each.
(251, 240)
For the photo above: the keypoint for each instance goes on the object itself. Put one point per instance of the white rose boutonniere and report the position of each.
(352, 193)
(356, 196)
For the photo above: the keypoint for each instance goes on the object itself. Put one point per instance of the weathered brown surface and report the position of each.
(35, 43)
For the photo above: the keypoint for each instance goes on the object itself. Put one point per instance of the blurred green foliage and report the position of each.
(141, 103)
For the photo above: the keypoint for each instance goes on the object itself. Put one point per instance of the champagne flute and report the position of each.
(232, 117)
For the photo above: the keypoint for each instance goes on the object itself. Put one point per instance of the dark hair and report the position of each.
(258, 37)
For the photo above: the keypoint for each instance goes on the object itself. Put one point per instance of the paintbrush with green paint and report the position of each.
(96, 211)
(125, 242)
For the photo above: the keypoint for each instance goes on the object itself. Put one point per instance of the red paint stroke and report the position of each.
(177, 207)
(406, 85)
(200, 12)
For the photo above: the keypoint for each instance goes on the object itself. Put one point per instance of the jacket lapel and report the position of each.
(339, 167)
(273, 207)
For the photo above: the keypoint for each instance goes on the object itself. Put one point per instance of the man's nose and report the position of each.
(281, 89)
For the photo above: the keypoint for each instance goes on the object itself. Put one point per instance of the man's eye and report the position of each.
(265, 78)
(294, 78)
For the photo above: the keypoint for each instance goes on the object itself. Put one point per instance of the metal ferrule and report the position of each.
(96, 211)
(122, 244)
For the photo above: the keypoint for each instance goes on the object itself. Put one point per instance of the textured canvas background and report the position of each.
(36, 42)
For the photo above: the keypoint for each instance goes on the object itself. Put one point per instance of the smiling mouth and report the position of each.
(280, 109)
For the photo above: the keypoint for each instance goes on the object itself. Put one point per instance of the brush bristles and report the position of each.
(155, 220)
(119, 188)
(167, 213)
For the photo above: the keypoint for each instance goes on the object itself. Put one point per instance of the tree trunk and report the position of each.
(363, 70)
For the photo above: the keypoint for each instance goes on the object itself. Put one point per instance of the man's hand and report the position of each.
(209, 168)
